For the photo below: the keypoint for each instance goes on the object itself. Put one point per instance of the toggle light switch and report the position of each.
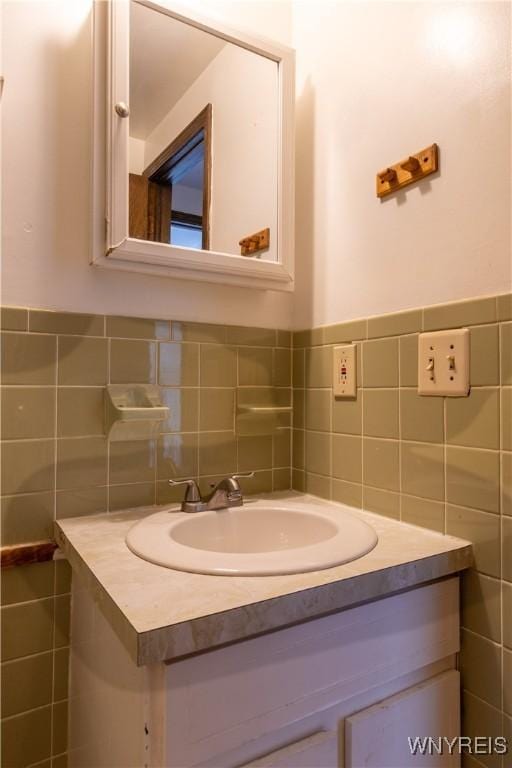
(344, 372)
(443, 363)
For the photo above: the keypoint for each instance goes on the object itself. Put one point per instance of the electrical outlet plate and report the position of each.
(344, 371)
(443, 363)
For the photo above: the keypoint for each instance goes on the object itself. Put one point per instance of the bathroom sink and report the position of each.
(257, 539)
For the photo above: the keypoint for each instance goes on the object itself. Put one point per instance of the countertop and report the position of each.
(162, 614)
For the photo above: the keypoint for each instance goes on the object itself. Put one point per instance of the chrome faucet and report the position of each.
(226, 493)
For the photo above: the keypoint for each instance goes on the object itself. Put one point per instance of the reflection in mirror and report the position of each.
(204, 133)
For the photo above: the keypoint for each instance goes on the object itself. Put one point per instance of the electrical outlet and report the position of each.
(344, 371)
(443, 363)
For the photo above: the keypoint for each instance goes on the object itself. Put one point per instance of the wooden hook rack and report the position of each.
(260, 241)
(407, 171)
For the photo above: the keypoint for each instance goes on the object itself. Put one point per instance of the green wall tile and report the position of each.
(26, 683)
(409, 361)
(133, 362)
(457, 314)
(42, 321)
(27, 628)
(345, 333)
(382, 502)
(347, 414)
(472, 478)
(76, 502)
(395, 324)
(27, 466)
(137, 328)
(177, 456)
(318, 453)
(13, 319)
(211, 334)
(27, 582)
(28, 359)
(474, 421)
(381, 463)
(80, 411)
(27, 518)
(255, 366)
(28, 412)
(421, 418)
(81, 462)
(347, 493)
(132, 461)
(82, 361)
(380, 363)
(26, 738)
(318, 409)
(484, 355)
(482, 530)
(506, 353)
(380, 412)
(218, 366)
(257, 337)
(217, 453)
(319, 367)
(423, 512)
(347, 458)
(481, 604)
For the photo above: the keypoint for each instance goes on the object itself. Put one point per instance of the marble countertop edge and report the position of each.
(250, 608)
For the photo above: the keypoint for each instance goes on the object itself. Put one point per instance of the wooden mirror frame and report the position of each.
(112, 247)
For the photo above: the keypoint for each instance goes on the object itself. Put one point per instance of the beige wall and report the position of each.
(443, 76)
(377, 81)
(46, 179)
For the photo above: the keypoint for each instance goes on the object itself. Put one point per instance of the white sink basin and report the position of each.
(258, 539)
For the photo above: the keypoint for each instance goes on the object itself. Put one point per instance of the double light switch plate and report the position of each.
(443, 363)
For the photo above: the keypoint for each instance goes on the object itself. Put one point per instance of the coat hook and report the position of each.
(388, 175)
(412, 164)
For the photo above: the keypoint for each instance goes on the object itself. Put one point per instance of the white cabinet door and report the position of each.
(378, 737)
(317, 751)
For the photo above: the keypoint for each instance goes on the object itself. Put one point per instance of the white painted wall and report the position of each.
(46, 177)
(136, 149)
(242, 88)
(377, 81)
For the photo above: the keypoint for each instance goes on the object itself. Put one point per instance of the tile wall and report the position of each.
(57, 462)
(441, 463)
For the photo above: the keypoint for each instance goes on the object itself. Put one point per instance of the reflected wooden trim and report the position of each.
(160, 167)
(24, 554)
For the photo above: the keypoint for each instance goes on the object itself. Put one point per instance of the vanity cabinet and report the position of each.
(343, 690)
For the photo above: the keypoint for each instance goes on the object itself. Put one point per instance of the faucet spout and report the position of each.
(227, 493)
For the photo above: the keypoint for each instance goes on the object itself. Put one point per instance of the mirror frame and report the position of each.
(112, 248)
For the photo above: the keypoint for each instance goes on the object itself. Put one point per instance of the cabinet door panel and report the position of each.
(377, 737)
(317, 751)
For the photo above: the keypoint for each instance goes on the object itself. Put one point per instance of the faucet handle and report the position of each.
(192, 493)
(242, 474)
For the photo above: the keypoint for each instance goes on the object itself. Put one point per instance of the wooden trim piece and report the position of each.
(252, 244)
(24, 554)
(161, 164)
(189, 219)
(161, 167)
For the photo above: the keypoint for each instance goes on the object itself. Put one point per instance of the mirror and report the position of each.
(204, 135)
